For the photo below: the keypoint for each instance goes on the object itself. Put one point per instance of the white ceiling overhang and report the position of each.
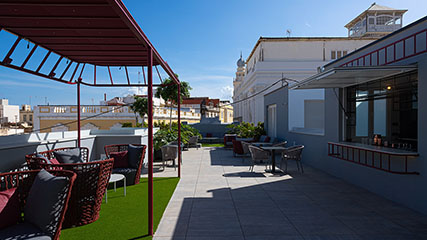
(342, 77)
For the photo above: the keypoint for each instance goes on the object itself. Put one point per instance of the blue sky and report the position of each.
(202, 40)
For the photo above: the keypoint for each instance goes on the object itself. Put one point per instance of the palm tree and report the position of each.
(169, 92)
(140, 106)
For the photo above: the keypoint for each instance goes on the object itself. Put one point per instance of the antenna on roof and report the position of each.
(288, 32)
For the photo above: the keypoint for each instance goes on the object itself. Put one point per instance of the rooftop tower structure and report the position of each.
(376, 21)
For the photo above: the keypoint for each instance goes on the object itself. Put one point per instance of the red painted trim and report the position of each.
(94, 74)
(372, 152)
(66, 69)
(43, 61)
(29, 56)
(111, 77)
(394, 44)
(12, 49)
(127, 75)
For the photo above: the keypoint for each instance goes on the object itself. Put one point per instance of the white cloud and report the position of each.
(227, 92)
(135, 90)
(307, 24)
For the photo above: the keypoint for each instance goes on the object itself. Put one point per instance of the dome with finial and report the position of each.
(240, 62)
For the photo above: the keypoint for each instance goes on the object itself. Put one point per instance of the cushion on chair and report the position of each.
(45, 201)
(134, 155)
(120, 159)
(129, 173)
(53, 161)
(22, 231)
(262, 138)
(9, 208)
(38, 155)
(267, 139)
(69, 156)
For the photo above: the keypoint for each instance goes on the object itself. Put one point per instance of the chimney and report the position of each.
(105, 97)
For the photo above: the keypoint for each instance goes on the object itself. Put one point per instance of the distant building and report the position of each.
(109, 115)
(8, 113)
(226, 112)
(26, 114)
(294, 59)
(211, 108)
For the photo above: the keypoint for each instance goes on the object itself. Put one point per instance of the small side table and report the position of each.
(114, 178)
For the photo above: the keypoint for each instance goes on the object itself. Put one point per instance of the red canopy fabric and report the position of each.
(98, 32)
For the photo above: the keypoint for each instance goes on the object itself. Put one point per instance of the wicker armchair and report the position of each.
(169, 153)
(258, 155)
(22, 181)
(89, 187)
(131, 175)
(293, 153)
(280, 144)
(193, 142)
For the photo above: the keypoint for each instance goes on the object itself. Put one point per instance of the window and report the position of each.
(388, 107)
(371, 20)
(344, 53)
(333, 56)
(338, 54)
(384, 20)
(31, 118)
(306, 111)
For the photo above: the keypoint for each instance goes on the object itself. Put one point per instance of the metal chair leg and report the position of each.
(302, 169)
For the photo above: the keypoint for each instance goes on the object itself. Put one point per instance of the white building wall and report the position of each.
(9, 112)
(292, 58)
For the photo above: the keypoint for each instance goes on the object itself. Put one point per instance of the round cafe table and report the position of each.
(114, 178)
(272, 150)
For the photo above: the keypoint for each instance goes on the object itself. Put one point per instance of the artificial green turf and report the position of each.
(127, 217)
(212, 144)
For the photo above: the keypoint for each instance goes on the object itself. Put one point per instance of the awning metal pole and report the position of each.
(150, 141)
(78, 113)
(179, 130)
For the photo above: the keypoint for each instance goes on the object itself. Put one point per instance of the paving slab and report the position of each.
(219, 198)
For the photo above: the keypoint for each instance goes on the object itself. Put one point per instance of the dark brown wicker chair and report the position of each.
(124, 147)
(89, 187)
(23, 181)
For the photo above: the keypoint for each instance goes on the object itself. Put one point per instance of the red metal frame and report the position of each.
(150, 142)
(113, 39)
(393, 44)
(336, 150)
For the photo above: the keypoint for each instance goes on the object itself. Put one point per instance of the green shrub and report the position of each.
(127, 125)
(165, 134)
(247, 130)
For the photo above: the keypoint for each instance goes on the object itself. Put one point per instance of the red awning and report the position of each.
(98, 32)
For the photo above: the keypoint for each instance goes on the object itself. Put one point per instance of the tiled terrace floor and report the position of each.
(218, 198)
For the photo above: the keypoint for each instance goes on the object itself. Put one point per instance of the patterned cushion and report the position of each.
(134, 155)
(69, 156)
(9, 208)
(120, 159)
(45, 201)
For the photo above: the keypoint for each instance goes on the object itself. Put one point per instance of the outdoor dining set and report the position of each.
(62, 188)
(264, 150)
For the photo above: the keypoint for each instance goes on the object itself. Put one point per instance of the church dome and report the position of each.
(240, 62)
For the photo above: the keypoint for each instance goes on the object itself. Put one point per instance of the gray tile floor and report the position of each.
(218, 198)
